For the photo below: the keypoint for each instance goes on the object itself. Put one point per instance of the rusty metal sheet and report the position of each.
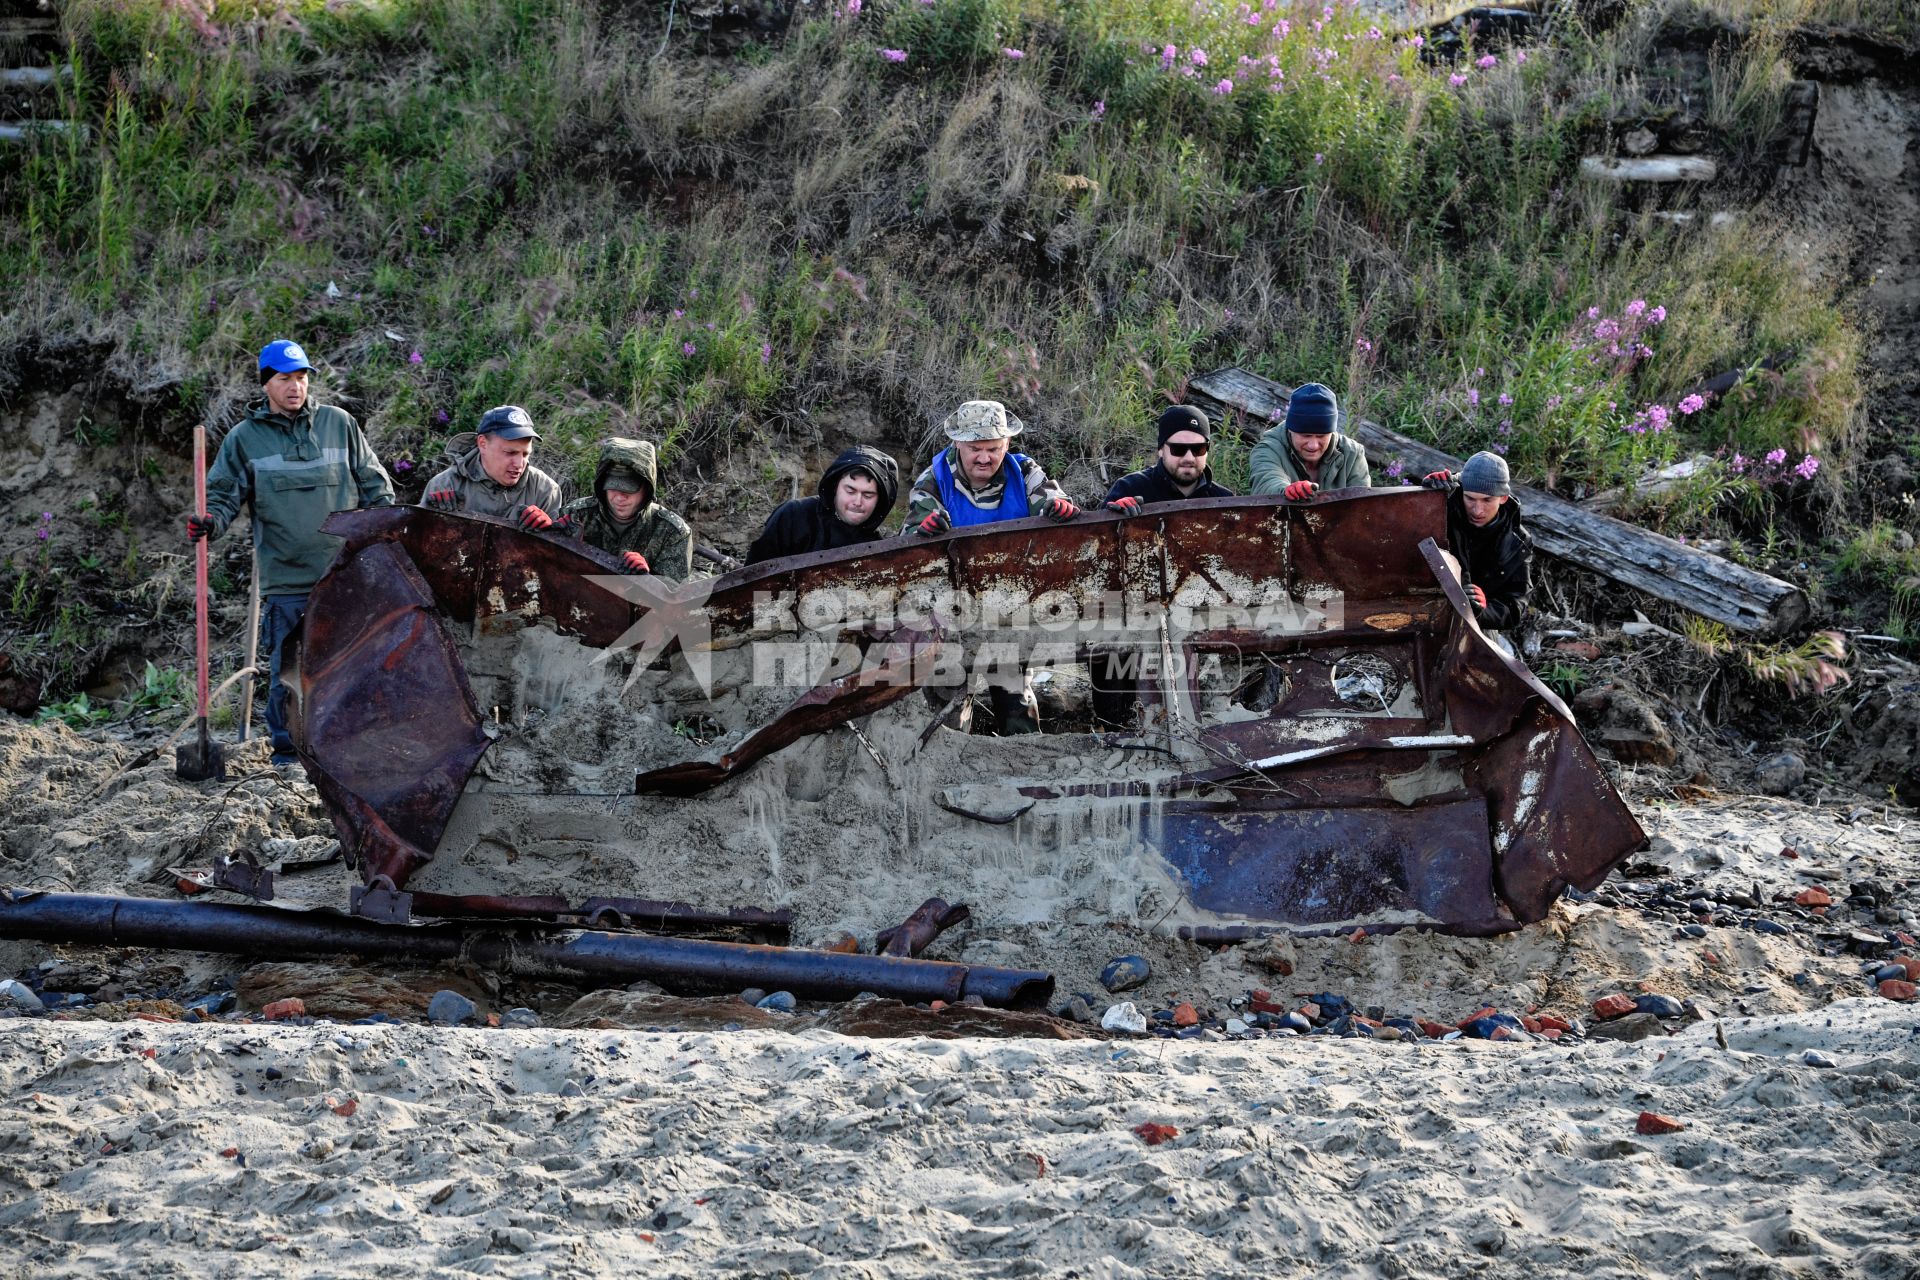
(1339, 867)
(1359, 573)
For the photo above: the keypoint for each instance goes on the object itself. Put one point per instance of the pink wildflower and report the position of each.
(766, 348)
(1099, 109)
(1198, 57)
(1473, 396)
(687, 348)
(1636, 307)
(894, 55)
(1691, 405)
(1456, 79)
(1808, 465)
(1657, 315)
(1776, 457)
(1505, 399)
(1223, 88)
(1487, 63)
(414, 357)
(1013, 54)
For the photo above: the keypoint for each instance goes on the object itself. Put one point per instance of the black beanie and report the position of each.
(1184, 417)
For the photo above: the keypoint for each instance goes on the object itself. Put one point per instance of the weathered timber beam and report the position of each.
(1698, 581)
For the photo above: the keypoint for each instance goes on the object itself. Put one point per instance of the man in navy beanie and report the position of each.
(1307, 453)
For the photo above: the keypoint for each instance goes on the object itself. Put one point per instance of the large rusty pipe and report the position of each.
(587, 958)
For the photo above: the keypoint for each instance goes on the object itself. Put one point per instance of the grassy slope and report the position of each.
(714, 250)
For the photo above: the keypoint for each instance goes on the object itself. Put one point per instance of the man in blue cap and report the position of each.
(491, 472)
(291, 463)
(1307, 453)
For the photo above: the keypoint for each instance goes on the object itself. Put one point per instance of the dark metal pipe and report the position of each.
(590, 959)
(917, 932)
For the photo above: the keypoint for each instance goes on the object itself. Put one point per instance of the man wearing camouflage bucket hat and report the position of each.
(491, 472)
(978, 480)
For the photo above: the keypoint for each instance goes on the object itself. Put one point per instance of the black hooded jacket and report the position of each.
(808, 524)
(1156, 485)
(1494, 558)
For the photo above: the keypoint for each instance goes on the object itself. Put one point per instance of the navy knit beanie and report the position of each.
(1312, 410)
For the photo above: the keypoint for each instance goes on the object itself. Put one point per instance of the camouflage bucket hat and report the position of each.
(982, 420)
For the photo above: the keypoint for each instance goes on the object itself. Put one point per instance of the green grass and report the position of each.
(697, 248)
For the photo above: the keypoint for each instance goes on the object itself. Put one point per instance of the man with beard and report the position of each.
(1307, 453)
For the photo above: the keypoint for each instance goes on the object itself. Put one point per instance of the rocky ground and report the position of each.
(1395, 1104)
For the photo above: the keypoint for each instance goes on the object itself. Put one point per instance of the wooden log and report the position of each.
(1702, 583)
(1649, 168)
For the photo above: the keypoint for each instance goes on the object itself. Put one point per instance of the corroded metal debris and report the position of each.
(1384, 764)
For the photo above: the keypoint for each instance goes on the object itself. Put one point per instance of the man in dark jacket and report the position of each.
(1487, 538)
(292, 464)
(856, 495)
(623, 520)
(1179, 473)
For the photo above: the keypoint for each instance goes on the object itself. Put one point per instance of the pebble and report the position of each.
(1236, 1027)
(1815, 1058)
(519, 1019)
(1778, 775)
(450, 1009)
(1884, 973)
(1124, 973)
(1770, 926)
(1079, 1010)
(22, 995)
(1658, 1005)
(1296, 1021)
(1694, 930)
(779, 1002)
(1123, 1017)
(753, 996)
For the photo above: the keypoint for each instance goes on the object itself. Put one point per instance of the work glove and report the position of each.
(563, 523)
(443, 500)
(1300, 490)
(635, 562)
(1478, 596)
(1060, 509)
(533, 518)
(1127, 506)
(199, 527)
(937, 521)
(1437, 479)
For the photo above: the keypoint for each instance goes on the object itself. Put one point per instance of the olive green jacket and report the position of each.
(661, 537)
(291, 474)
(1273, 465)
(482, 495)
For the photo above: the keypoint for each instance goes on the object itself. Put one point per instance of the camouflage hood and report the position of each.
(634, 455)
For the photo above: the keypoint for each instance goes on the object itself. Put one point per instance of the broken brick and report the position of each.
(1185, 1015)
(1911, 965)
(347, 1108)
(1531, 1024)
(1789, 852)
(1551, 1033)
(291, 1007)
(1581, 649)
(1898, 989)
(1433, 1029)
(1484, 1011)
(1652, 1122)
(1613, 1006)
(1815, 897)
(1154, 1134)
(1553, 1022)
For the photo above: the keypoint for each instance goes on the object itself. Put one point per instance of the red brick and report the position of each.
(1553, 1022)
(1532, 1024)
(1310, 1011)
(1652, 1122)
(347, 1108)
(1814, 898)
(1154, 1134)
(1898, 989)
(1612, 1006)
(1482, 1012)
(292, 1007)
(1185, 1015)
(1261, 993)
(1433, 1029)
(1789, 852)
(1911, 965)
(1358, 935)
(1551, 1033)
(1266, 1006)
(1580, 649)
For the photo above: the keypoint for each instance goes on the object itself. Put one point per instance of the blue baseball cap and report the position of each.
(509, 422)
(283, 356)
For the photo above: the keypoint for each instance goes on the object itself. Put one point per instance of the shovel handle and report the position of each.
(200, 575)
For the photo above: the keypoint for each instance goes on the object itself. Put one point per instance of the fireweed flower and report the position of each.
(1488, 63)
(894, 55)
(686, 348)
(1636, 307)
(1013, 54)
(414, 357)
(1198, 57)
(766, 348)
(1656, 315)
(1456, 79)
(1776, 457)
(1691, 405)
(1808, 465)
(1223, 88)
(1099, 109)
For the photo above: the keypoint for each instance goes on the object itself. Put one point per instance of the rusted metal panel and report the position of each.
(1328, 867)
(1465, 797)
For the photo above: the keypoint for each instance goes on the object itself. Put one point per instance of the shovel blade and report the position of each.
(199, 761)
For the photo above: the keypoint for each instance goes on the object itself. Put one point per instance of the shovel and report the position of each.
(202, 758)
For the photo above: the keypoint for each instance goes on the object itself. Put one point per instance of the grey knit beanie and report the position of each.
(1486, 473)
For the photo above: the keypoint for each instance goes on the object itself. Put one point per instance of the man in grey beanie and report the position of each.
(1486, 537)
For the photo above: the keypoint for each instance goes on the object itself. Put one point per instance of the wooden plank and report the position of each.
(1698, 581)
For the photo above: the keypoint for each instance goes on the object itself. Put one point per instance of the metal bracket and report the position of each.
(381, 901)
